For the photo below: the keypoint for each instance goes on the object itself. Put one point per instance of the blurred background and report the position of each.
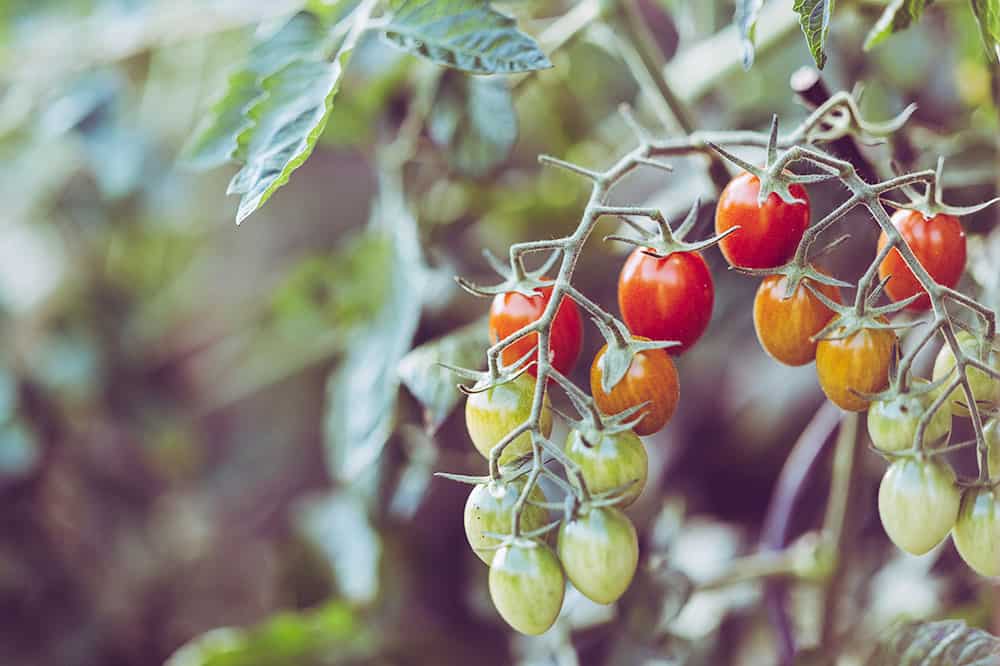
(217, 437)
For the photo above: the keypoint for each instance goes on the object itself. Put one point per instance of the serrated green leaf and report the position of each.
(745, 19)
(987, 13)
(898, 15)
(435, 386)
(465, 34)
(303, 37)
(474, 120)
(944, 643)
(814, 17)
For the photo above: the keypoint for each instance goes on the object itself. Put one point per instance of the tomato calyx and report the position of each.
(622, 348)
(860, 315)
(665, 241)
(515, 277)
(929, 203)
(483, 380)
(796, 273)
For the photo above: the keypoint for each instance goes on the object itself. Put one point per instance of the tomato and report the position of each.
(918, 503)
(490, 508)
(599, 551)
(859, 362)
(527, 585)
(977, 531)
(650, 377)
(666, 298)
(892, 424)
(512, 311)
(612, 461)
(991, 430)
(492, 414)
(939, 245)
(768, 234)
(985, 389)
(785, 326)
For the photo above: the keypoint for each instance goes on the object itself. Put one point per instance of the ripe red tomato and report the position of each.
(666, 298)
(859, 362)
(512, 311)
(651, 377)
(785, 326)
(939, 245)
(768, 234)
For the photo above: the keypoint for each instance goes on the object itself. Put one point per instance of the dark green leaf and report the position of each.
(464, 34)
(474, 120)
(945, 643)
(898, 15)
(746, 20)
(987, 13)
(435, 386)
(814, 17)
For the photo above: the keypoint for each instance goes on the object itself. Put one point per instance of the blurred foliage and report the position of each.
(206, 450)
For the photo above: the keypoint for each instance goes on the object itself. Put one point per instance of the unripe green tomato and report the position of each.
(599, 550)
(977, 531)
(614, 460)
(985, 388)
(527, 585)
(992, 433)
(492, 414)
(892, 424)
(490, 508)
(918, 503)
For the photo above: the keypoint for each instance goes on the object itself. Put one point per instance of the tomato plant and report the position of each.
(610, 460)
(785, 326)
(512, 311)
(977, 530)
(491, 414)
(527, 585)
(666, 298)
(985, 389)
(857, 363)
(651, 379)
(490, 508)
(768, 234)
(892, 423)
(937, 242)
(599, 550)
(918, 503)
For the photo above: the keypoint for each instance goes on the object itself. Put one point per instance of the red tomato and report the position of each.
(666, 298)
(939, 245)
(768, 234)
(512, 311)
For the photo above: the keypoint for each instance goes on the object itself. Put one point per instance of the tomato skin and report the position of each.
(991, 431)
(611, 462)
(918, 503)
(527, 585)
(859, 362)
(892, 424)
(939, 245)
(666, 298)
(784, 326)
(984, 388)
(490, 508)
(512, 311)
(599, 550)
(977, 531)
(768, 234)
(650, 377)
(491, 414)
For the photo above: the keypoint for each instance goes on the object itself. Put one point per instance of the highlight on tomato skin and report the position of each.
(769, 234)
(939, 245)
(511, 311)
(785, 327)
(666, 298)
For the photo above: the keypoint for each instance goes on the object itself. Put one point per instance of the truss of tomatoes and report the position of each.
(670, 297)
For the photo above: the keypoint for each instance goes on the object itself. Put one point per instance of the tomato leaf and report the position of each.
(814, 17)
(474, 121)
(745, 19)
(898, 15)
(987, 13)
(944, 643)
(435, 386)
(465, 34)
(362, 392)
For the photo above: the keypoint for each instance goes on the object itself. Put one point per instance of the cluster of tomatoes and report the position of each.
(670, 298)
